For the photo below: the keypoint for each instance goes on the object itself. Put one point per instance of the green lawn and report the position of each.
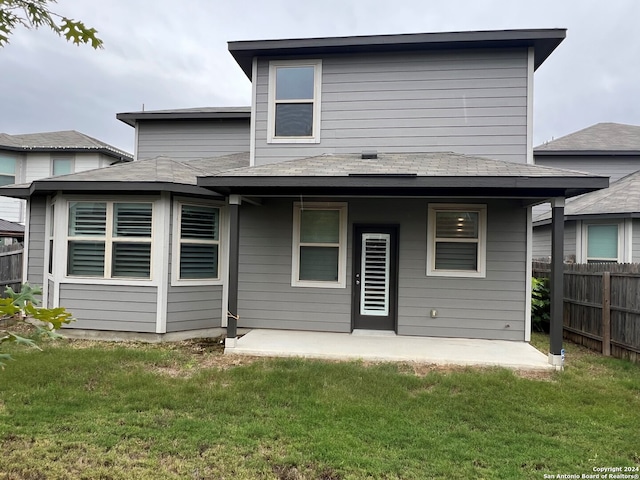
(111, 411)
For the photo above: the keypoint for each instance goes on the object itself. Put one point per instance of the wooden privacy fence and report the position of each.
(11, 266)
(601, 306)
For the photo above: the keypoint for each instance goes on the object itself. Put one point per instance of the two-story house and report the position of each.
(32, 156)
(387, 185)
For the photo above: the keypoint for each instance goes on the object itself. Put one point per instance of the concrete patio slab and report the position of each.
(390, 348)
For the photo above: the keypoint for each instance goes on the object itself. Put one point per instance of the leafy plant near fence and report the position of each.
(540, 304)
(20, 310)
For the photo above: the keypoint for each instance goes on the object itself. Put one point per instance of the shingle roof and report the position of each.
(8, 228)
(435, 174)
(63, 140)
(602, 137)
(160, 173)
(159, 169)
(444, 164)
(622, 197)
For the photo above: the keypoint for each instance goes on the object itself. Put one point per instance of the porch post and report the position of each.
(557, 281)
(234, 234)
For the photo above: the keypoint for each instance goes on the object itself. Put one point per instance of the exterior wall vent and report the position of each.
(369, 154)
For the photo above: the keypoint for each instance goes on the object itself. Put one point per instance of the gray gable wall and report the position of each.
(191, 139)
(472, 102)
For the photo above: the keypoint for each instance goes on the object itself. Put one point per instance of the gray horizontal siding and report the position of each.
(50, 295)
(491, 307)
(610, 166)
(473, 307)
(635, 242)
(186, 140)
(467, 102)
(194, 307)
(35, 253)
(542, 242)
(266, 298)
(111, 307)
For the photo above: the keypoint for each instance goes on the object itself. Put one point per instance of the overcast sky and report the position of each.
(173, 54)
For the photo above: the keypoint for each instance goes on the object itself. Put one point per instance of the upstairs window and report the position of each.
(294, 102)
(7, 171)
(456, 240)
(61, 166)
(109, 239)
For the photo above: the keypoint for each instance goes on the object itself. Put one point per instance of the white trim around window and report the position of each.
(155, 240)
(621, 228)
(453, 230)
(326, 242)
(209, 237)
(314, 99)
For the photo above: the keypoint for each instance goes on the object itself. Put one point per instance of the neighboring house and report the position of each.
(11, 232)
(602, 226)
(190, 133)
(387, 186)
(29, 157)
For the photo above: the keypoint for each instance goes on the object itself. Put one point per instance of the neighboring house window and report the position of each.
(61, 166)
(7, 171)
(602, 243)
(294, 101)
(456, 240)
(109, 239)
(198, 242)
(319, 245)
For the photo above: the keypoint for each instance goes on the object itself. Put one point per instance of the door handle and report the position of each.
(357, 279)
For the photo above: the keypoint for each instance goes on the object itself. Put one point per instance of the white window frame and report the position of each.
(177, 241)
(341, 207)
(107, 278)
(16, 165)
(71, 158)
(316, 101)
(481, 241)
(624, 239)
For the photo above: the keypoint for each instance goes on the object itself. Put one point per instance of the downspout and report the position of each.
(556, 352)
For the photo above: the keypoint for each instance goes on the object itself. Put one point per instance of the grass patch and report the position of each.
(112, 411)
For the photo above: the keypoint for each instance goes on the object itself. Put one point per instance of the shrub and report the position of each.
(20, 308)
(540, 304)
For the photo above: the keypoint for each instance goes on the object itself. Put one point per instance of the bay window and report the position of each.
(109, 239)
(197, 242)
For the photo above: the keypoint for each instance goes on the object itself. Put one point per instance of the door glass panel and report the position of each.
(374, 284)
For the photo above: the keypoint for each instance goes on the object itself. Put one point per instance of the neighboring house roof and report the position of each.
(156, 174)
(543, 41)
(68, 140)
(11, 229)
(201, 113)
(622, 198)
(599, 139)
(443, 173)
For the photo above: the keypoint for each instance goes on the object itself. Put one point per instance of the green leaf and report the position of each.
(3, 358)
